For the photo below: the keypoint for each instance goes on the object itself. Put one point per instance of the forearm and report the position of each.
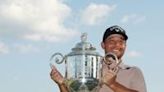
(117, 87)
(63, 88)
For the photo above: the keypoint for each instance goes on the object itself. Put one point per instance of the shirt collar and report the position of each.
(123, 66)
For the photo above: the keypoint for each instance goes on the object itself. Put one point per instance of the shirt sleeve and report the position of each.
(137, 81)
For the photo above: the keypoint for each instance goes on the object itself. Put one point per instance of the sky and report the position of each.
(32, 30)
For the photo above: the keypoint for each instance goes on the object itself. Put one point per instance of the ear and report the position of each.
(102, 45)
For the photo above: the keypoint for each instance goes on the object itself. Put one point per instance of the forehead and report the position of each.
(115, 36)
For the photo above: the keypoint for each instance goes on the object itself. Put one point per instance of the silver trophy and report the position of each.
(83, 66)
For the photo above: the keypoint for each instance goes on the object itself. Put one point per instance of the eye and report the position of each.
(111, 41)
(121, 42)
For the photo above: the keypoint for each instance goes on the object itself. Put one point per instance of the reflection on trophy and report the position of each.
(83, 66)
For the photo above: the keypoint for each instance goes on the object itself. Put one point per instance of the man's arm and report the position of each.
(137, 82)
(117, 87)
(109, 78)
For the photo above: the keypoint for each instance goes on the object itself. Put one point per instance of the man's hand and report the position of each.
(56, 75)
(109, 77)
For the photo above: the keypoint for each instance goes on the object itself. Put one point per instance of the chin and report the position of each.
(118, 55)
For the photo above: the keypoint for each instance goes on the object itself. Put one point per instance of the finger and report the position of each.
(54, 69)
(52, 66)
(54, 73)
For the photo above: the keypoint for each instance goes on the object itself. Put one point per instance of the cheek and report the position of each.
(108, 48)
(122, 49)
(124, 46)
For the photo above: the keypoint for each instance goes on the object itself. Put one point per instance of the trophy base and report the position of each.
(83, 85)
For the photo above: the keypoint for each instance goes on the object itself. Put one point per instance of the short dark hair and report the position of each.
(114, 30)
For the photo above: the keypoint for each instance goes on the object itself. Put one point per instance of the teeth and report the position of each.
(116, 50)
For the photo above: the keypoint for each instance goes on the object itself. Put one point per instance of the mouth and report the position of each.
(116, 51)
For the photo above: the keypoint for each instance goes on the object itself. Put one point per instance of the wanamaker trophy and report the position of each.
(83, 66)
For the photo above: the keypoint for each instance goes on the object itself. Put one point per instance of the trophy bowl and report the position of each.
(83, 85)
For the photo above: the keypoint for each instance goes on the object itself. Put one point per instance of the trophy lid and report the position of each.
(83, 47)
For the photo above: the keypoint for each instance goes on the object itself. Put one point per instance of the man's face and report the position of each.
(116, 44)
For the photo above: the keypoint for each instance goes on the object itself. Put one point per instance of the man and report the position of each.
(125, 78)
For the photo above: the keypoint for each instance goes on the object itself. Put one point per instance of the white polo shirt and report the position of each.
(130, 77)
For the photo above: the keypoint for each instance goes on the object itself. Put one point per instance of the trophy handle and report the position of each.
(112, 61)
(110, 58)
(58, 58)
